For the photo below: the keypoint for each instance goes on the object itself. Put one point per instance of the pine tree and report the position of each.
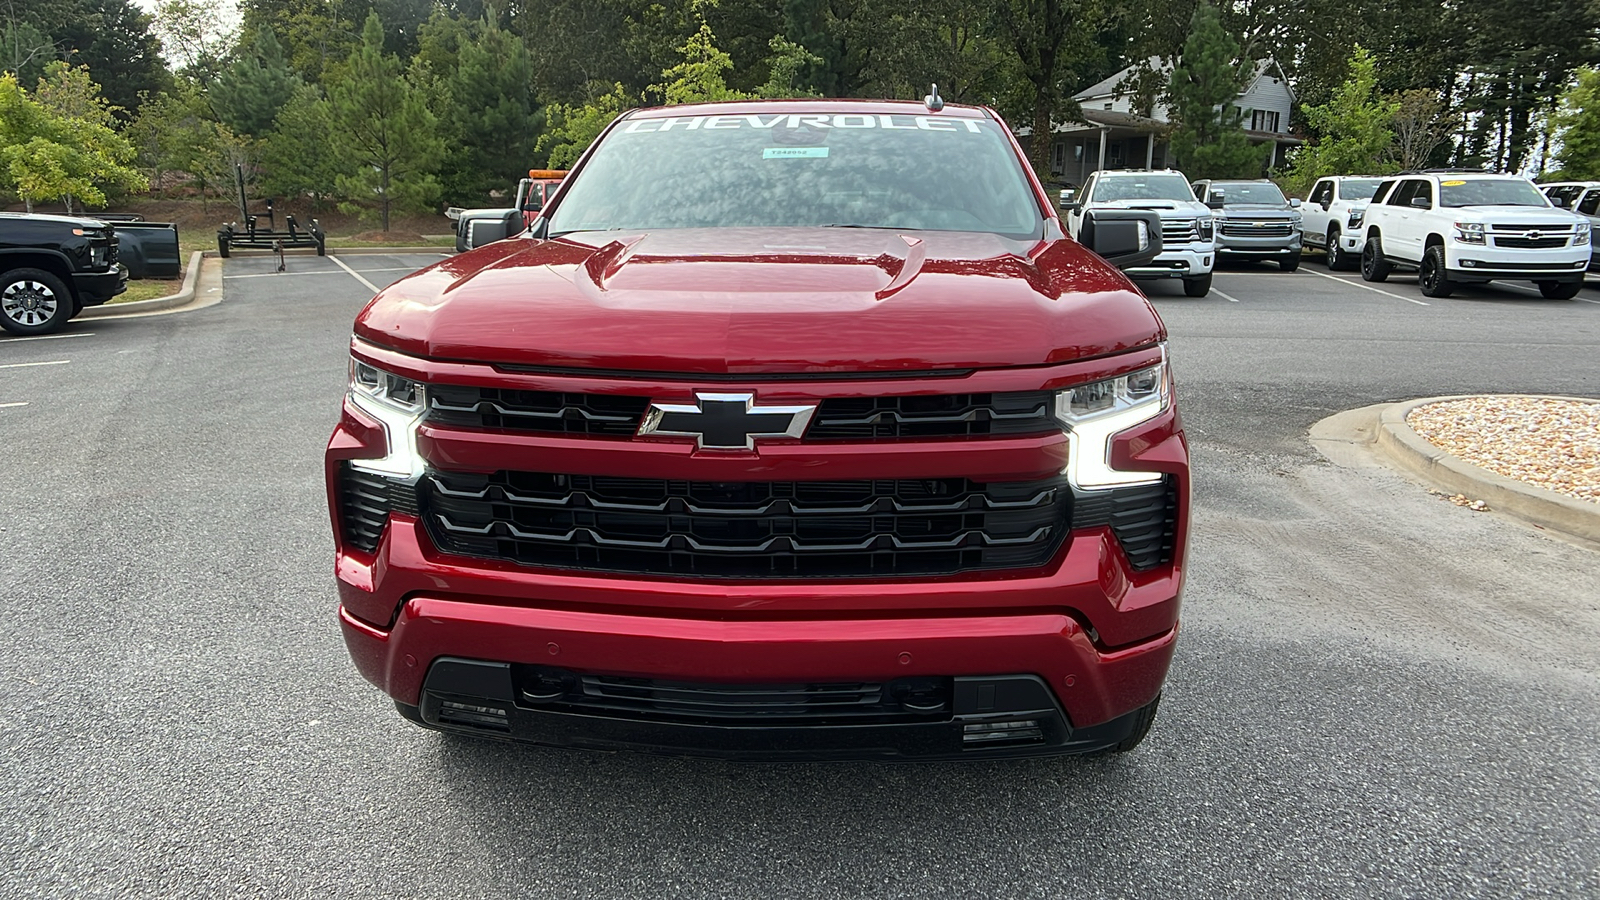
(493, 118)
(1355, 127)
(384, 134)
(248, 94)
(1578, 124)
(296, 158)
(1210, 141)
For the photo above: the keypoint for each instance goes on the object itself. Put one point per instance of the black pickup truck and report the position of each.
(51, 267)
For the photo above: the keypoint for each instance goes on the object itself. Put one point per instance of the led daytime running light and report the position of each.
(1094, 414)
(398, 403)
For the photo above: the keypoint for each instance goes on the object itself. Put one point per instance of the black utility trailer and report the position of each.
(251, 237)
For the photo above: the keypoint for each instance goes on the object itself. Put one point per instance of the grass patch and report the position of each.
(149, 289)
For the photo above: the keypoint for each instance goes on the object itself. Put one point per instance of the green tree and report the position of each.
(47, 155)
(1209, 140)
(1355, 127)
(573, 128)
(248, 93)
(114, 38)
(197, 35)
(1422, 125)
(1577, 122)
(700, 77)
(491, 115)
(296, 157)
(1046, 36)
(384, 133)
(784, 70)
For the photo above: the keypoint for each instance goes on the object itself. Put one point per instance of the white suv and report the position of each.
(1331, 217)
(1456, 228)
(1187, 225)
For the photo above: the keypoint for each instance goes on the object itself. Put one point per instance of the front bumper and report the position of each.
(1477, 263)
(1178, 262)
(95, 288)
(987, 717)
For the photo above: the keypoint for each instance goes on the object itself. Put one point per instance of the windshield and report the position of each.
(1142, 187)
(1359, 188)
(901, 171)
(1252, 193)
(1490, 192)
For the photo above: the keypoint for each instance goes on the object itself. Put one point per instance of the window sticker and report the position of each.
(1452, 183)
(795, 153)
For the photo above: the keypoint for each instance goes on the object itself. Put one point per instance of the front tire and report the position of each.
(1373, 266)
(1559, 290)
(33, 301)
(1431, 275)
(1338, 259)
(1290, 263)
(1197, 286)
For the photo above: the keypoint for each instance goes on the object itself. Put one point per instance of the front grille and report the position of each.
(365, 501)
(1179, 231)
(1144, 518)
(546, 411)
(1238, 229)
(945, 415)
(805, 529)
(855, 703)
(1523, 243)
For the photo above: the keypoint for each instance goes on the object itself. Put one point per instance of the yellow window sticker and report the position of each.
(1452, 183)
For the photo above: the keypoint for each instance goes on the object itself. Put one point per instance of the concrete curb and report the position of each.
(184, 295)
(1537, 506)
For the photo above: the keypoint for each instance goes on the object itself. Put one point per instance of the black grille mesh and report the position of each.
(863, 418)
(365, 501)
(1144, 518)
(747, 529)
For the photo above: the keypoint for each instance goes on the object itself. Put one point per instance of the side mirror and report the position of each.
(1071, 206)
(1069, 199)
(490, 226)
(1215, 202)
(1126, 238)
(1421, 203)
(1560, 202)
(1295, 203)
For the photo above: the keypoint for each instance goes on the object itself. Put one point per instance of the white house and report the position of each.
(1115, 134)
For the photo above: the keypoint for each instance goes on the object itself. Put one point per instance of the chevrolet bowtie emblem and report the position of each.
(726, 421)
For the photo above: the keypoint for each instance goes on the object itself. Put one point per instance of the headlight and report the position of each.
(1580, 234)
(1208, 229)
(1356, 216)
(397, 402)
(1469, 232)
(1094, 414)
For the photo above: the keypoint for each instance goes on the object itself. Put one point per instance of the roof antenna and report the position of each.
(933, 101)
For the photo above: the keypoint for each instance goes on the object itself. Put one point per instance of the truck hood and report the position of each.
(1166, 209)
(1531, 216)
(778, 300)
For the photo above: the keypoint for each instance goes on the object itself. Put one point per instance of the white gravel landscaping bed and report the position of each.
(1546, 442)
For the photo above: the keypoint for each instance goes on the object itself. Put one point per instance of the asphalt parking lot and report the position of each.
(1376, 693)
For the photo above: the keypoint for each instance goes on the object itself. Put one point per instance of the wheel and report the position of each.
(1431, 274)
(1373, 266)
(32, 301)
(222, 246)
(1290, 263)
(1338, 260)
(1559, 290)
(1141, 727)
(1197, 286)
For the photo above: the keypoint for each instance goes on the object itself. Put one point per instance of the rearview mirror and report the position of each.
(1126, 238)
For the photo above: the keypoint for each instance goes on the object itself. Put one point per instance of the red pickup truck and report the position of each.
(836, 447)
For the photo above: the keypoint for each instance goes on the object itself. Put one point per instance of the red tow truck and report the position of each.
(837, 448)
(533, 193)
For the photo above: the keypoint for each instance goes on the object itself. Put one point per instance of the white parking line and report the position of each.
(13, 405)
(326, 272)
(47, 337)
(1363, 286)
(1586, 300)
(53, 362)
(1223, 296)
(356, 275)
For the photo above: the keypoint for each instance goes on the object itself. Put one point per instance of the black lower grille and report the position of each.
(804, 529)
(906, 699)
(1144, 518)
(365, 501)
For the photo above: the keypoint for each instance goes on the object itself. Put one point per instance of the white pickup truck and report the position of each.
(1187, 225)
(1331, 217)
(1459, 228)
